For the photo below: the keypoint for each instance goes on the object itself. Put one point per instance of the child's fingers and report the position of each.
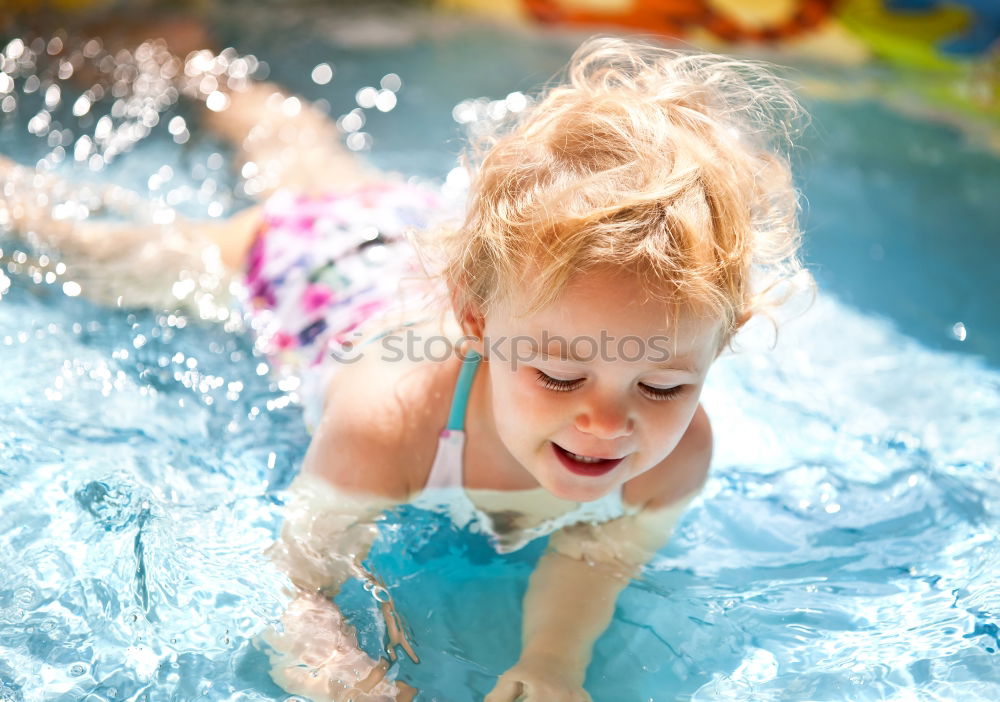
(406, 692)
(376, 676)
(396, 633)
(507, 690)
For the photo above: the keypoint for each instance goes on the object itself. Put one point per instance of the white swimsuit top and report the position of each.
(508, 530)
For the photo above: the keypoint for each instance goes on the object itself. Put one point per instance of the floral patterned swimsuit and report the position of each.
(326, 272)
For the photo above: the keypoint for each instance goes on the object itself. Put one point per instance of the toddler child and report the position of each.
(532, 370)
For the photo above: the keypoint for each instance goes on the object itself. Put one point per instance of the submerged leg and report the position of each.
(177, 264)
(284, 141)
(280, 142)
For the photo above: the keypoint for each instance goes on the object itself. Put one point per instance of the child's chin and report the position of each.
(566, 485)
(576, 489)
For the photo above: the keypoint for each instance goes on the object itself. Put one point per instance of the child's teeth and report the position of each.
(584, 459)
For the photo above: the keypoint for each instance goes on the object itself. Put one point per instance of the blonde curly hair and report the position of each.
(672, 165)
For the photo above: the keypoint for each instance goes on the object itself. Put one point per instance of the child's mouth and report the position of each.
(584, 465)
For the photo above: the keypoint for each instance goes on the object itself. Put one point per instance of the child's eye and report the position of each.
(547, 381)
(662, 393)
(559, 385)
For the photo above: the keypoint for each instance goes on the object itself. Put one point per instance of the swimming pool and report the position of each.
(845, 547)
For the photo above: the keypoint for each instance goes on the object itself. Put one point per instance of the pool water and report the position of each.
(845, 547)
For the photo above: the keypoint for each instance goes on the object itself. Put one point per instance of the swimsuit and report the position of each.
(326, 272)
(444, 490)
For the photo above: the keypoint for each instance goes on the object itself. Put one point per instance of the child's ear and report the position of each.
(743, 319)
(472, 321)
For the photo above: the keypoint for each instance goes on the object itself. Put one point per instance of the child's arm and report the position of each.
(352, 472)
(314, 651)
(571, 595)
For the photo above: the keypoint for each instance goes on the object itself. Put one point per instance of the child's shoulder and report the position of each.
(380, 424)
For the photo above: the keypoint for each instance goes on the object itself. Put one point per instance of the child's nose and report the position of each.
(604, 420)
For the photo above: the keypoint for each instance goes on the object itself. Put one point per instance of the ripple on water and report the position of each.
(113, 505)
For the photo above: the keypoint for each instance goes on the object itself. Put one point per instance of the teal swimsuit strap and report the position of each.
(460, 398)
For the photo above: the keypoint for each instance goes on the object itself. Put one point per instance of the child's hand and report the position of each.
(540, 679)
(316, 654)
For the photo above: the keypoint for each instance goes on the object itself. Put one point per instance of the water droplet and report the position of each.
(291, 107)
(385, 100)
(81, 106)
(322, 73)
(516, 102)
(358, 141)
(177, 125)
(366, 97)
(14, 49)
(92, 48)
(391, 81)
(217, 101)
(53, 95)
(352, 121)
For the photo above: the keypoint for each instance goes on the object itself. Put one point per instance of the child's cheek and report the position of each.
(513, 387)
(529, 399)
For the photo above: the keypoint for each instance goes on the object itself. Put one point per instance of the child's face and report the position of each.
(596, 394)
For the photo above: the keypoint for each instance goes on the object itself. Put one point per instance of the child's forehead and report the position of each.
(609, 291)
(612, 301)
(602, 334)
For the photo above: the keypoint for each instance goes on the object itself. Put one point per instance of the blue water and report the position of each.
(845, 547)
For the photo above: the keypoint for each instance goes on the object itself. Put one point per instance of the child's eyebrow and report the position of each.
(678, 364)
(672, 363)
